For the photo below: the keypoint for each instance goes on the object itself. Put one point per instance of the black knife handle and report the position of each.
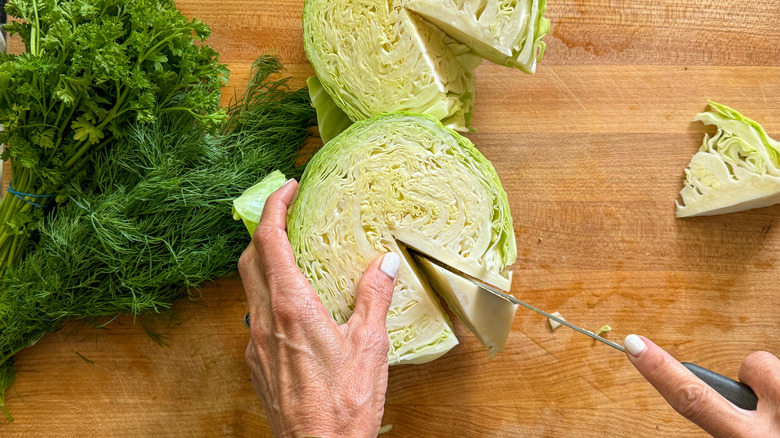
(736, 392)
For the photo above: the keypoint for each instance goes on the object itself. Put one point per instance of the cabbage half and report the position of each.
(393, 181)
(375, 57)
(736, 169)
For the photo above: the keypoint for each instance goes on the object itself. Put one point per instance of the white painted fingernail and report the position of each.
(288, 181)
(634, 344)
(390, 264)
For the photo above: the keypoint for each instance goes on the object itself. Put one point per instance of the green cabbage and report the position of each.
(736, 169)
(390, 182)
(377, 57)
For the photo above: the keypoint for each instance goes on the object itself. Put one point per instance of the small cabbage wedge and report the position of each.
(489, 317)
(736, 169)
(388, 182)
(376, 57)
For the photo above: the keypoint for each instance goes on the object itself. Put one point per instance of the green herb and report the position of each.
(84, 358)
(7, 373)
(90, 67)
(156, 220)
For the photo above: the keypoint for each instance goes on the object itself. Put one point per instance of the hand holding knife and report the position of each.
(738, 393)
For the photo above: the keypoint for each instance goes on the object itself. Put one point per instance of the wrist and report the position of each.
(338, 429)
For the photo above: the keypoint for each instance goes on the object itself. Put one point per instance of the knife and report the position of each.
(736, 392)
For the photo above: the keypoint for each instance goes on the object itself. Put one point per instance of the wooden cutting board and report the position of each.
(591, 150)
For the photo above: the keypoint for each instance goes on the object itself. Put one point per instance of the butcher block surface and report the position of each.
(591, 151)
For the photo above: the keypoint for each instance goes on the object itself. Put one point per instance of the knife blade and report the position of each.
(498, 292)
(738, 393)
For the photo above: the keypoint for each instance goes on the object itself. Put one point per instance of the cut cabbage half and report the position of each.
(375, 57)
(486, 315)
(736, 169)
(400, 178)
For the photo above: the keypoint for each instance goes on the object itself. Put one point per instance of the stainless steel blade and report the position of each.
(495, 291)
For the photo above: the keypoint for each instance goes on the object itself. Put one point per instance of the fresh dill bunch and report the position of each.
(154, 220)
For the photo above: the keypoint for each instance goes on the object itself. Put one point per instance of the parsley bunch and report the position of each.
(90, 68)
(155, 219)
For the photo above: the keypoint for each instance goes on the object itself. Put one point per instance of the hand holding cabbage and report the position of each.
(314, 377)
(391, 183)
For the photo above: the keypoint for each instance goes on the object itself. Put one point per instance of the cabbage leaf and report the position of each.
(331, 120)
(249, 206)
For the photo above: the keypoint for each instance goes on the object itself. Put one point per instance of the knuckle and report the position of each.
(693, 397)
(250, 356)
(309, 309)
(655, 365)
(265, 233)
(258, 339)
(247, 261)
(284, 310)
(289, 312)
(376, 339)
(376, 288)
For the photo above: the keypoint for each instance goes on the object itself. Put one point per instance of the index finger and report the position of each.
(275, 209)
(684, 392)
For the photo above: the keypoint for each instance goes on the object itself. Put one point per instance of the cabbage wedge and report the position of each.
(486, 315)
(505, 32)
(388, 182)
(376, 57)
(736, 169)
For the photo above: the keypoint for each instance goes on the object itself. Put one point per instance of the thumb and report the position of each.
(375, 289)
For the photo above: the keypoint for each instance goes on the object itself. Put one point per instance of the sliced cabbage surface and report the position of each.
(736, 169)
(487, 316)
(375, 57)
(400, 177)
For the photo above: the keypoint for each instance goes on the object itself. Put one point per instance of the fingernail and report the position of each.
(634, 344)
(390, 264)
(288, 181)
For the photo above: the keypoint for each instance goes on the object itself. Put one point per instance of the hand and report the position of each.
(699, 403)
(313, 376)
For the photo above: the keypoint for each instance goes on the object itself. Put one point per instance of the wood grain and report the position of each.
(591, 151)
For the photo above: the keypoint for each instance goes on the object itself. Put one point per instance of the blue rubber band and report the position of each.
(21, 195)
